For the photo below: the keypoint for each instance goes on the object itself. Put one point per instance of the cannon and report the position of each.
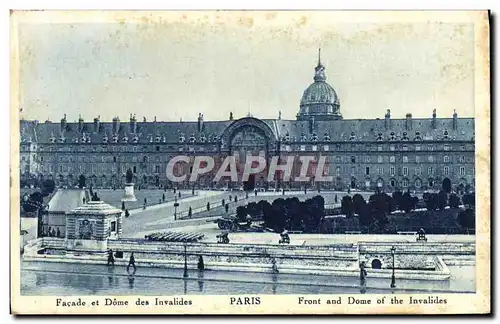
(232, 223)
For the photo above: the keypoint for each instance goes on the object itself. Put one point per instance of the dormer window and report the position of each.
(182, 139)
(88, 139)
(158, 139)
(76, 140)
(287, 137)
(405, 136)
(115, 138)
(326, 137)
(150, 137)
(303, 137)
(445, 134)
(105, 139)
(380, 137)
(125, 139)
(135, 139)
(314, 137)
(203, 138)
(417, 136)
(52, 138)
(352, 137)
(192, 139)
(393, 136)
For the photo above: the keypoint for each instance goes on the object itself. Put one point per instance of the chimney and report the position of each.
(388, 119)
(408, 122)
(200, 122)
(133, 124)
(116, 125)
(455, 119)
(434, 124)
(96, 124)
(63, 124)
(80, 124)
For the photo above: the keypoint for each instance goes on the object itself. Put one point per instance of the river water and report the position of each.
(61, 279)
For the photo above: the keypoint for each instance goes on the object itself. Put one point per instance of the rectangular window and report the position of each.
(381, 170)
(157, 169)
(446, 170)
(461, 159)
(462, 171)
(417, 147)
(367, 159)
(380, 159)
(392, 148)
(325, 148)
(392, 159)
(113, 226)
(302, 147)
(430, 171)
(353, 159)
(315, 147)
(418, 171)
(405, 159)
(405, 171)
(430, 148)
(337, 170)
(392, 171)
(337, 159)
(41, 158)
(367, 170)
(379, 148)
(417, 159)
(446, 159)
(447, 147)
(430, 158)
(405, 148)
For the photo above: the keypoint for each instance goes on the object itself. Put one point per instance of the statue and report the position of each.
(129, 187)
(231, 115)
(129, 176)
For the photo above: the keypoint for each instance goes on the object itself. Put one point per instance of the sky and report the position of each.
(175, 69)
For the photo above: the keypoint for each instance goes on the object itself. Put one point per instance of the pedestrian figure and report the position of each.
(58, 233)
(235, 198)
(49, 233)
(223, 202)
(179, 194)
(362, 272)
(201, 264)
(131, 262)
(145, 201)
(336, 199)
(127, 214)
(230, 198)
(111, 259)
(144, 206)
(163, 197)
(53, 234)
(227, 208)
(255, 192)
(246, 195)
(275, 267)
(175, 190)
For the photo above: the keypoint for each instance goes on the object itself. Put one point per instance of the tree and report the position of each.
(446, 186)
(347, 206)
(129, 176)
(442, 200)
(467, 219)
(469, 200)
(33, 203)
(454, 200)
(48, 187)
(408, 202)
(398, 200)
(431, 201)
(359, 203)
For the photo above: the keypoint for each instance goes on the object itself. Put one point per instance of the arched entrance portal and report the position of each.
(249, 137)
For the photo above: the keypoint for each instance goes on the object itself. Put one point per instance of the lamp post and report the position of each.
(185, 261)
(393, 279)
(176, 204)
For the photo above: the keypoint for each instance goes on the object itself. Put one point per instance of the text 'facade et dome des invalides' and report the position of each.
(405, 154)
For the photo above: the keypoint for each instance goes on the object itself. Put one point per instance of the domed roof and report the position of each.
(319, 99)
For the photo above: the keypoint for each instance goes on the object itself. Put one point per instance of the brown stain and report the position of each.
(246, 22)
(271, 15)
(302, 22)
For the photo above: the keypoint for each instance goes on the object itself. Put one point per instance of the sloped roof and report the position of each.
(95, 208)
(67, 199)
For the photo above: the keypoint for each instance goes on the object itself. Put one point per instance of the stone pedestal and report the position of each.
(129, 193)
(89, 227)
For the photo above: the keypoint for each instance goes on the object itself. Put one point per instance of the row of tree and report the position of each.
(286, 214)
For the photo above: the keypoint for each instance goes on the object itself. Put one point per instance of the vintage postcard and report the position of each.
(250, 162)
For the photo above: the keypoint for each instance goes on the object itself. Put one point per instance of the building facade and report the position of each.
(410, 153)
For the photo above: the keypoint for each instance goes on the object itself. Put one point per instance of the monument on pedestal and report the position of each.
(129, 187)
(90, 226)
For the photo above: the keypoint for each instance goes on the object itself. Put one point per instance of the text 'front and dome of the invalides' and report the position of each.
(406, 153)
